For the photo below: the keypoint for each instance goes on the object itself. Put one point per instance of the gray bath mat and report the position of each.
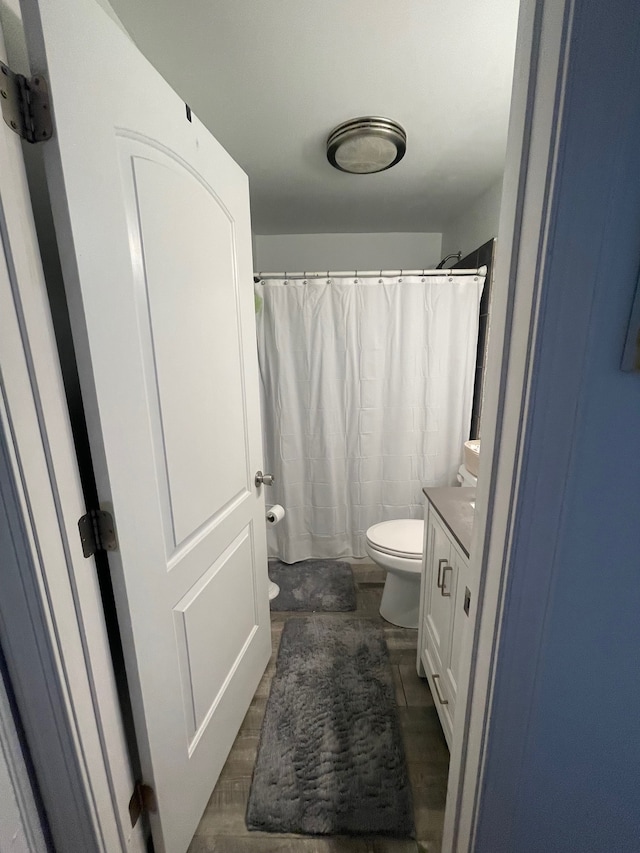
(313, 585)
(331, 759)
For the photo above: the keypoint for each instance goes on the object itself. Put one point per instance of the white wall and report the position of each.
(476, 225)
(317, 252)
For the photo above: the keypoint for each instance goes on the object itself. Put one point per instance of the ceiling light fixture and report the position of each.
(366, 145)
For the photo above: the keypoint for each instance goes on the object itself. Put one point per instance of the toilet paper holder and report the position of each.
(275, 514)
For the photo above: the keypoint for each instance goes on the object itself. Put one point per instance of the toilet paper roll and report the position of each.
(275, 514)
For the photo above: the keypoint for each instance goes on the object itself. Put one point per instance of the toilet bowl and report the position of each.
(465, 477)
(397, 547)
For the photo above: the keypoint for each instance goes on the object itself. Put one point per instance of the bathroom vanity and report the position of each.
(446, 592)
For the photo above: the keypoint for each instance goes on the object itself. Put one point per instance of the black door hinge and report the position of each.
(142, 800)
(25, 105)
(97, 532)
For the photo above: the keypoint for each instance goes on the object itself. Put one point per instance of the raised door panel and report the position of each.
(187, 309)
(187, 293)
(210, 644)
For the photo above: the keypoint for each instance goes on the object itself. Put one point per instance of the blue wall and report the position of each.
(580, 786)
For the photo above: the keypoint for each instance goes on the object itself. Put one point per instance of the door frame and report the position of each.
(52, 624)
(21, 822)
(507, 494)
(532, 397)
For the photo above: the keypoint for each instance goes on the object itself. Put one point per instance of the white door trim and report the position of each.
(530, 405)
(31, 661)
(21, 825)
(51, 618)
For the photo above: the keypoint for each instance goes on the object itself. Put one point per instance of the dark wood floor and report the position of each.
(222, 828)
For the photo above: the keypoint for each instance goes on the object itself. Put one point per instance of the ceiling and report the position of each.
(271, 78)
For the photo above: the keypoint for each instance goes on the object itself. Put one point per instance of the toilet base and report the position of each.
(274, 590)
(400, 603)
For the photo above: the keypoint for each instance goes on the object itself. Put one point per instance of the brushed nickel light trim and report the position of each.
(362, 146)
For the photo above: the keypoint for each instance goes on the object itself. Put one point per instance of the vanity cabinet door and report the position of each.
(443, 621)
(456, 587)
(436, 622)
(438, 609)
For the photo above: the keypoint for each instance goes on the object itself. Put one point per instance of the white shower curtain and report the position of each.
(367, 389)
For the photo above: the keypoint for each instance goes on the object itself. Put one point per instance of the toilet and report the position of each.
(397, 547)
(465, 477)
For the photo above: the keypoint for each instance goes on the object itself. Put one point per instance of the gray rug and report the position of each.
(331, 759)
(313, 585)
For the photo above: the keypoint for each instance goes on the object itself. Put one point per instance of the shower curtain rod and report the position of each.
(263, 276)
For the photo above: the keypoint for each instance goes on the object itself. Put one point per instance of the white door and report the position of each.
(152, 220)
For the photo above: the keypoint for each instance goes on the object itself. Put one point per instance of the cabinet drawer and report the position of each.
(440, 699)
(438, 578)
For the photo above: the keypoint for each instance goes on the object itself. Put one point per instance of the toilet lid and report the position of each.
(402, 537)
